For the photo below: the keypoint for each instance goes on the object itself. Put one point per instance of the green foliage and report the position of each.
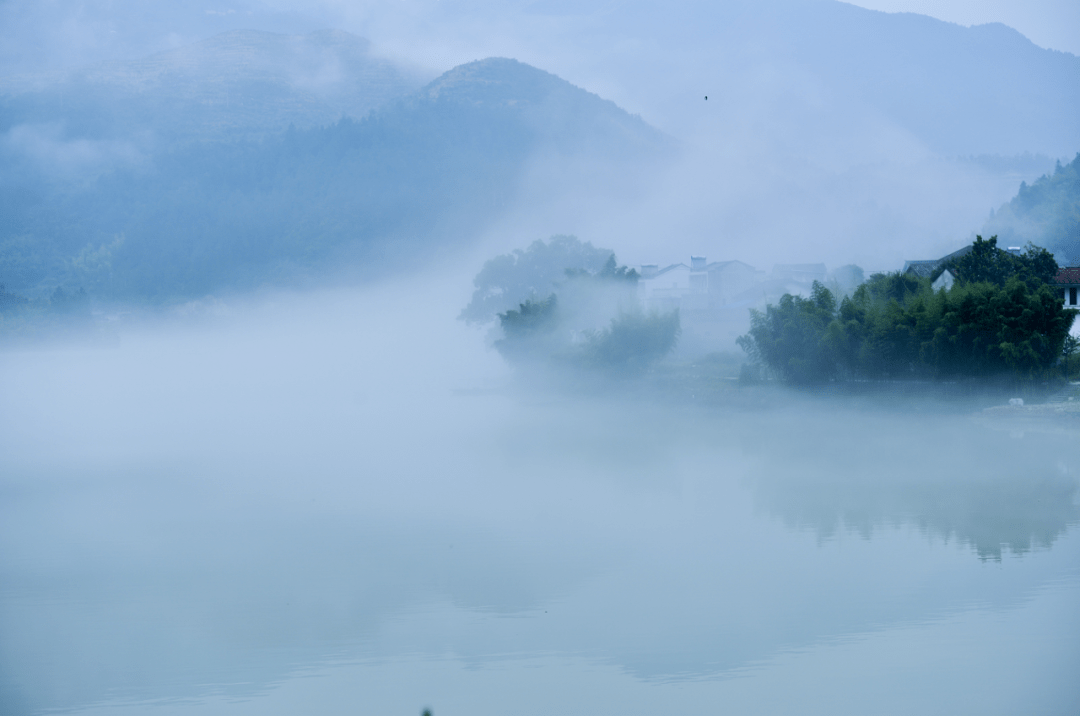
(611, 272)
(896, 327)
(1070, 356)
(793, 338)
(506, 280)
(531, 318)
(528, 331)
(563, 328)
(633, 342)
(987, 330)
(987, 263)
(885, 287)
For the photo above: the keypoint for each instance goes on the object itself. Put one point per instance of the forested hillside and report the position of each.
(1046, 213)
(422, 174)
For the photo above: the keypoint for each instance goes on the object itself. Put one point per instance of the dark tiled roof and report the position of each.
(925, 269)
(922, 269)
(1068, 275)
(957, 254)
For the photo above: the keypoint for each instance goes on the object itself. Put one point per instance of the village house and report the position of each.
(925, 268)
(710, 297)
(699, 286)
(1068, 280)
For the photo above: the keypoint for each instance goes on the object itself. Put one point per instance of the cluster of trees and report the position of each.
(591, 318)
(999, 319)
(509, 279)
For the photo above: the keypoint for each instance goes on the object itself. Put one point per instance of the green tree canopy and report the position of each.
(896, 326)
(790, 338)
(568, 328)
(529, 330)
(988, 263)
(507, 280)
(634, 341)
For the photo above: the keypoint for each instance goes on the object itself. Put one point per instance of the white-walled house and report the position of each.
(664, 288)
(728, 279)
(709, 296)
(945, 281)
(1068, 280)
(698, 286)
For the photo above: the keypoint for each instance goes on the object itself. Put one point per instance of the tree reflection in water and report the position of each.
(950, 478)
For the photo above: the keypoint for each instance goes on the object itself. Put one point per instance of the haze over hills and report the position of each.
(827, 67)
(778, 70)
(423, 174)
(240, 84)
(1046, 213)
(831, 133)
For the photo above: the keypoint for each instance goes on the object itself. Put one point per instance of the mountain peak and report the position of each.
(544, 105)
(496, 80)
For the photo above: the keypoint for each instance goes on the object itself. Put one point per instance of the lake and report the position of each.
(318, 505)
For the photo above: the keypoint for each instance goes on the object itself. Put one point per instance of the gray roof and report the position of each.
(924, 268)
(721, 264)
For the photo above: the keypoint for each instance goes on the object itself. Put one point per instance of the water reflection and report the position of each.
(948, 476)
(162, 554)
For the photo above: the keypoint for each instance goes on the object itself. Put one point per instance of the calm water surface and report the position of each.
(282, 517)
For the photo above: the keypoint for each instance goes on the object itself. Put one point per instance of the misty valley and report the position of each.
(722, 359)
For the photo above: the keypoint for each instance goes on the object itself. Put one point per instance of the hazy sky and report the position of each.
(37, 34)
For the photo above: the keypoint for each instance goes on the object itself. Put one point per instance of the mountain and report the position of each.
(961, 90)
(841, 126)
(238, 84)
(848, 128)
(416, 178)
(818, 69)
(550, 109)
(1046, 213)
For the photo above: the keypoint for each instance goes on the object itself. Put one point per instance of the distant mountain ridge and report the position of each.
(786, 104)
(978, 90)
(821, 66)
(985, 88)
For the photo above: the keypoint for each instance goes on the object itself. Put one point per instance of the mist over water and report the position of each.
(341, 501)
(255, 458)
